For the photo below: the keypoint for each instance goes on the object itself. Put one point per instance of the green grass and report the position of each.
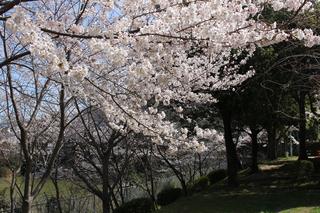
(72, 197)
(66, 187)
(3, 184)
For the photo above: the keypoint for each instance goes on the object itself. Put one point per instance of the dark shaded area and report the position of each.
(278, 187)
(246, 201)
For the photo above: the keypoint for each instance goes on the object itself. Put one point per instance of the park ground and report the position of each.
(272, 190)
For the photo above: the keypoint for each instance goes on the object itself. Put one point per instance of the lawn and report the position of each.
(73, 198)
(66, 187)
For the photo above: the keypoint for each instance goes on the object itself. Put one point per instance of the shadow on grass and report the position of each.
(245, 201)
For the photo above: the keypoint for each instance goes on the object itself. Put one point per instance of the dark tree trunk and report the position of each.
(232, 158)
(121, 193)
(27, 196)
(106, 206)
(200, 164)
(239, 164)
(105, 198)
(153, 196)
(184, 187)
(26, 207)
(55, 183)
(254, 151)
(302, 127)
(12, 188)
(114, 198)
(272, 143)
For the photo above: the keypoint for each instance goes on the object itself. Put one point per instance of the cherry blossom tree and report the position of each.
(10, 158)
(35, 107)
(124, 54)
(101, 155)
(131, 57)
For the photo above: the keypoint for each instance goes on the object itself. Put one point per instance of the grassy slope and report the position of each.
(270, 191)
(246, 202)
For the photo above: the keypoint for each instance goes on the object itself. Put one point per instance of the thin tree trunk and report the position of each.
(176, 172)
(105, 185)
(56, 187)
(150, 167)
(27, 193)
(27, 196)
(114, 198)
(254, 154)
(239, 164)
(232, 158)
(302, 127)
(153, 197)
(105, 205)
(184, 186)
(272, 143)
(200, 165)
(12, 185)
(121, 193)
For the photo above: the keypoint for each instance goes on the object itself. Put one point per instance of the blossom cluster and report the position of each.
(134, 57)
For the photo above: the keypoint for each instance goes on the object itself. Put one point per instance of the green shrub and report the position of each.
(217, 175)
(168, 195)
(299, 168)
(139, 205)
(4, 172)
(200, 184)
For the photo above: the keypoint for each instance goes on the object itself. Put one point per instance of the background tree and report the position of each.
(100, 151)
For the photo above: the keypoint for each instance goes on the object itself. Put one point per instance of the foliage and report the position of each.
(200, 184)
(217, 175)
(168, 195)
(139, 205)
(279, 16)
